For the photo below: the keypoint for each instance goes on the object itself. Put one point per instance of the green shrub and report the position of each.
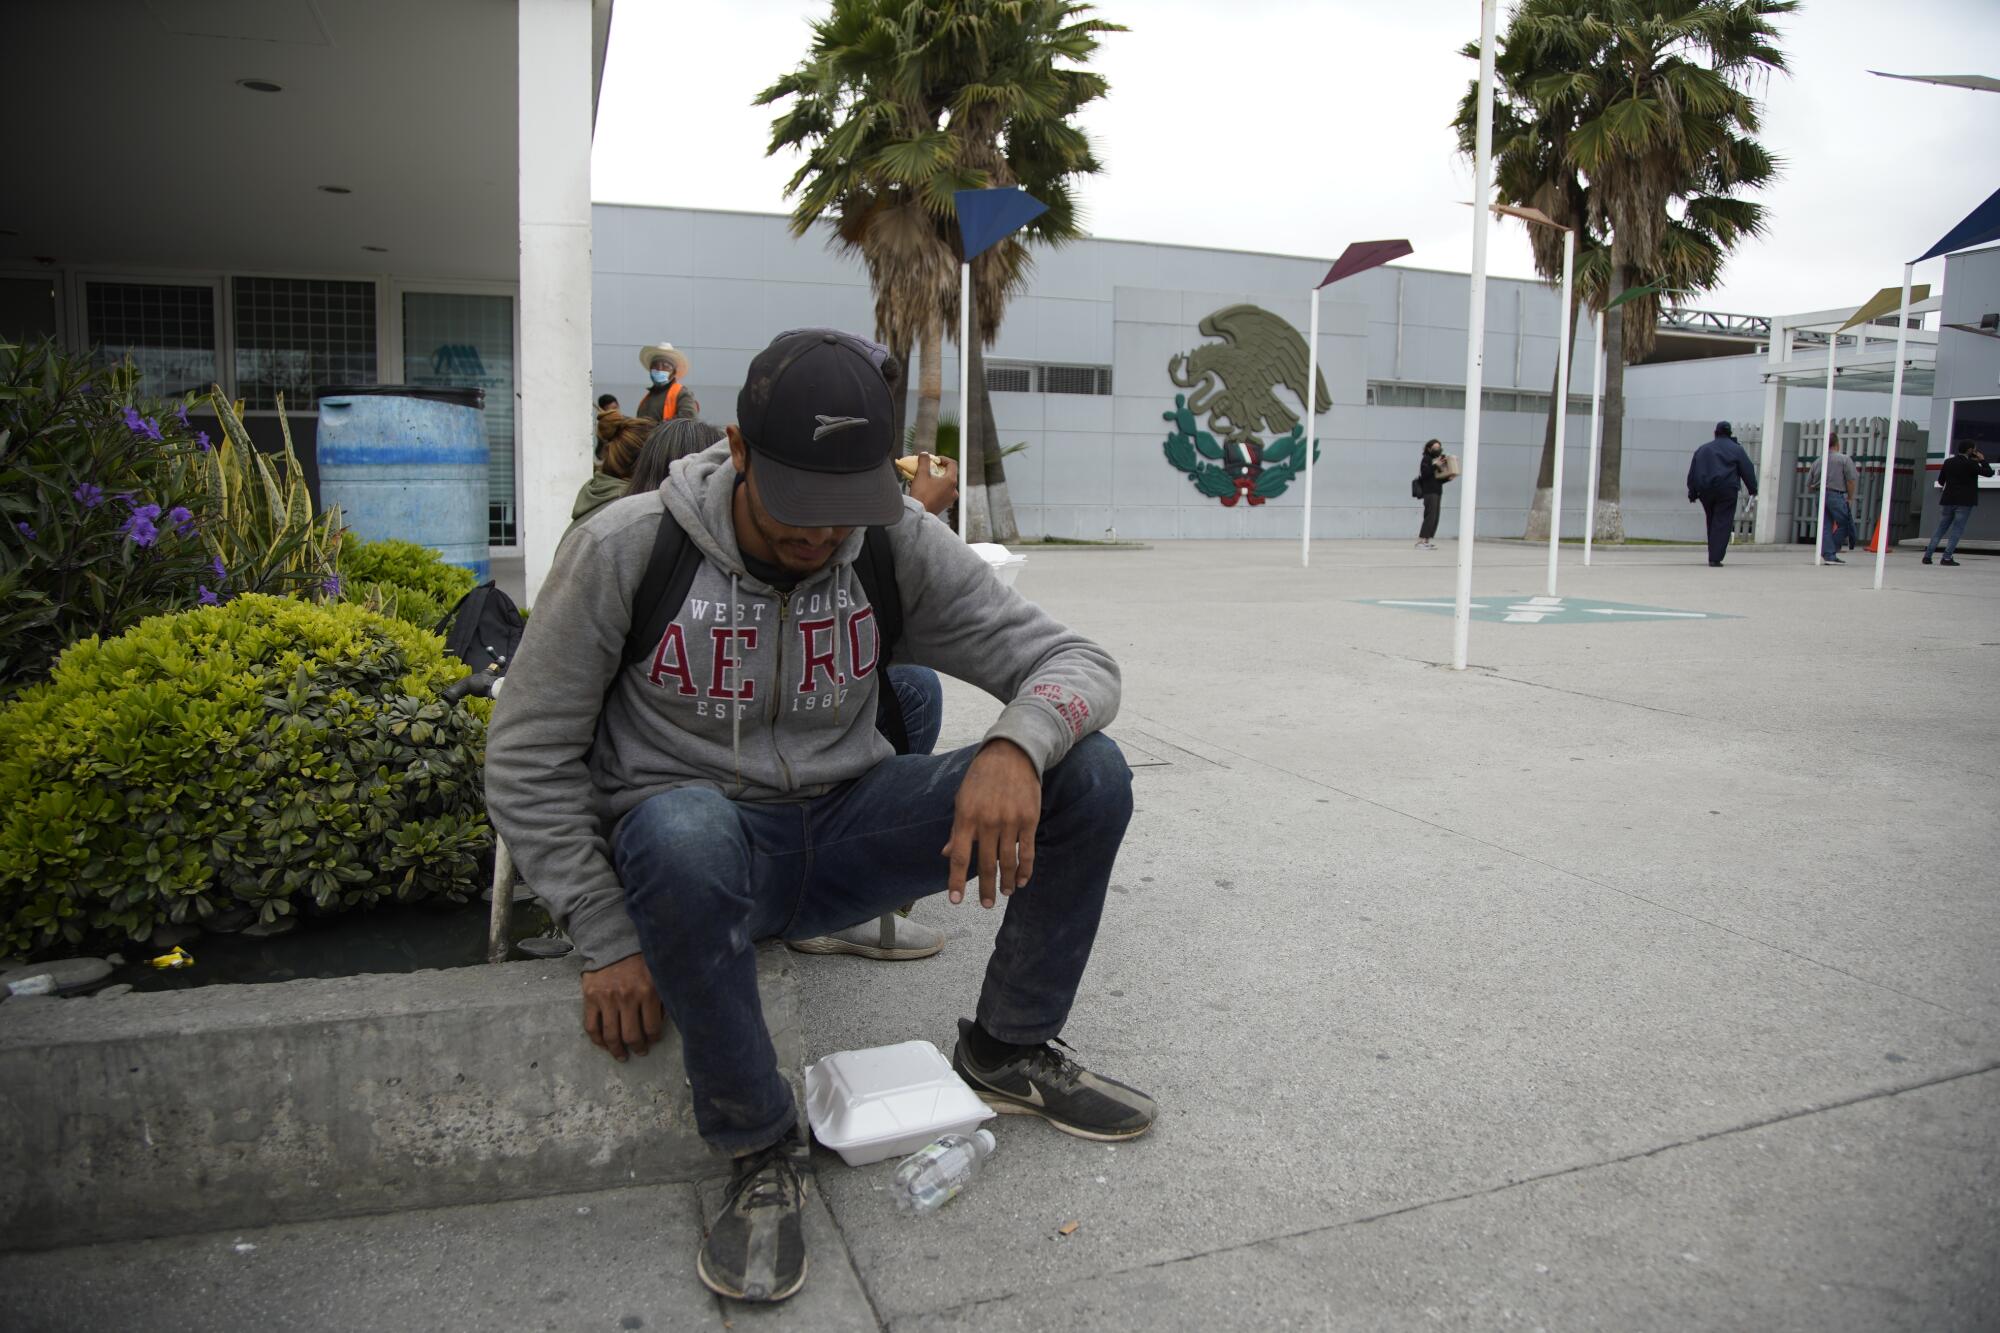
(105, 507)
(401, 579)
(274, 753)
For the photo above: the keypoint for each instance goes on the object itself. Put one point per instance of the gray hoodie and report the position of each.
(760, 695)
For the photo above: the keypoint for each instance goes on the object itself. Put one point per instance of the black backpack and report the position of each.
(484, 630)
(670, 572)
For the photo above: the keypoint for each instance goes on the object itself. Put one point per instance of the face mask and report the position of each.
(659, 376)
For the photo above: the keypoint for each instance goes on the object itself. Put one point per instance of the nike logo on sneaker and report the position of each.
(831, 425)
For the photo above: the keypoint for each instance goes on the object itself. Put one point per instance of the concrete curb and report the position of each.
(160, 1114)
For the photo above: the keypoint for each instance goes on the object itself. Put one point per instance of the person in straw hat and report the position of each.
(666, 395)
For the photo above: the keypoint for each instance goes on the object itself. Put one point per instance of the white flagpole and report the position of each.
(1895, 419)
(964, 391)
(1825, 449)
(1312, 401)
(1562, 406)
(1596, 440)
(1475, 337)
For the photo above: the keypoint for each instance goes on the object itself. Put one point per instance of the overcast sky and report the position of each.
(1296, 126)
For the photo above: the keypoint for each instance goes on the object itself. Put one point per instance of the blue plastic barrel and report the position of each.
(408, 464)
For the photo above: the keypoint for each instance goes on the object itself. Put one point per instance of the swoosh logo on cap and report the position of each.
(830, 425)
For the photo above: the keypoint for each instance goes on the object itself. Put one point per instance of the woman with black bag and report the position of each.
(1433, 471)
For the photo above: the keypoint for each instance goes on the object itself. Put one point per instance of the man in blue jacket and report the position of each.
(1712, 479)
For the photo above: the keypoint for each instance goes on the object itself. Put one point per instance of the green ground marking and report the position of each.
(1533, 610)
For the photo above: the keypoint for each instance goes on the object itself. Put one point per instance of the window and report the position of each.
(1076, 379)
(166, 330)
(297, 335)
(453, 340)
(1385, 393)
(1030, 377)
(1009, 377)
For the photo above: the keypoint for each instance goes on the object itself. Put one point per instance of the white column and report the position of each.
(1475, 337)
(1596, 438)
(553, 425)
(965, 398)
(1825, 449)
(1563, 330)
(1771, 450)
(1895, 414)
(1312, 415)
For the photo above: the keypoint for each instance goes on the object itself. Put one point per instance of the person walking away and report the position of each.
(723, 781)
(1713, 477)
(619, 439)
(1960, 478)
(666, 397)
(1433, 471)
(1841, 481)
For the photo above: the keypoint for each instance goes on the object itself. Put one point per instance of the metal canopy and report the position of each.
(1866, 359)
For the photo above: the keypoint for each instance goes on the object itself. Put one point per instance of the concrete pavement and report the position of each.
(1641, 977)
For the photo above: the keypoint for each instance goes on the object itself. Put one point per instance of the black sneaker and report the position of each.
(756, 1248)
(1949, 561)
(1045, 1082)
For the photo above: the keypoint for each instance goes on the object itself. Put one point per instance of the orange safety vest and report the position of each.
(672, 401)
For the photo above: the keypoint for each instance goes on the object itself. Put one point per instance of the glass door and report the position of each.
(460, 340)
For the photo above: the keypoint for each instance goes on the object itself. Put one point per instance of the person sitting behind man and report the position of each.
(729, 784)
(619, 441)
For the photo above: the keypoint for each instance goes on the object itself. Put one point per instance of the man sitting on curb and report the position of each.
(736, 779)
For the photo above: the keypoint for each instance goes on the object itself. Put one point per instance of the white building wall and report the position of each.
(720, 285)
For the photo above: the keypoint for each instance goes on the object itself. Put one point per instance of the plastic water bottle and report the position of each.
(932, 1176)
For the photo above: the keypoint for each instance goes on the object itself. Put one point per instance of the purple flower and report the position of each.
(201, 440)
(182, 414)
(220, 573)
(26, 531)
(140, 526)
(182, 520)
(208, 598)
(330, 585)
(89, 495)
(144, 427)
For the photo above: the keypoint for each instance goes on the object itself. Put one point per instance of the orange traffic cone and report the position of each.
(1875, 542)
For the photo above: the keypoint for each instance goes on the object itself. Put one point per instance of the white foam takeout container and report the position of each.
(1006, 566)
(888, 1101)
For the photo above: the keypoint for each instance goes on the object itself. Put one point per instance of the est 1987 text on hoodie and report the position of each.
(758, 694)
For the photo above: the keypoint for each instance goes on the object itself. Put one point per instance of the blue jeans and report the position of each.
(1951, 526)
(921, 693)
(1839, 522)
(706, 877)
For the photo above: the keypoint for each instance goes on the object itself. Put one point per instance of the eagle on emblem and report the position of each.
(1234, 382)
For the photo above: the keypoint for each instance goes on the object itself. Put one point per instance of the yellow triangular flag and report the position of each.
(1884, 301)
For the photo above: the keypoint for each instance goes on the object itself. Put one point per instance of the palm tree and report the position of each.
(865, 118)
(900, 104)
(1632, 119)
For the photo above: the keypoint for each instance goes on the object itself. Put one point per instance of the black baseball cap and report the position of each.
(817, 416)
(1722, 428)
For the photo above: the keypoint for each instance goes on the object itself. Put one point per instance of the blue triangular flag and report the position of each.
(987, 217)
(1980, 225)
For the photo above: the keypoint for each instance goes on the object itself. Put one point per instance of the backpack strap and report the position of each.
(877, 571)
(670, 572)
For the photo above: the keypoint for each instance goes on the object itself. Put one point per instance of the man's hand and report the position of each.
(936, 484)
(999, 805)
(621, 1010)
